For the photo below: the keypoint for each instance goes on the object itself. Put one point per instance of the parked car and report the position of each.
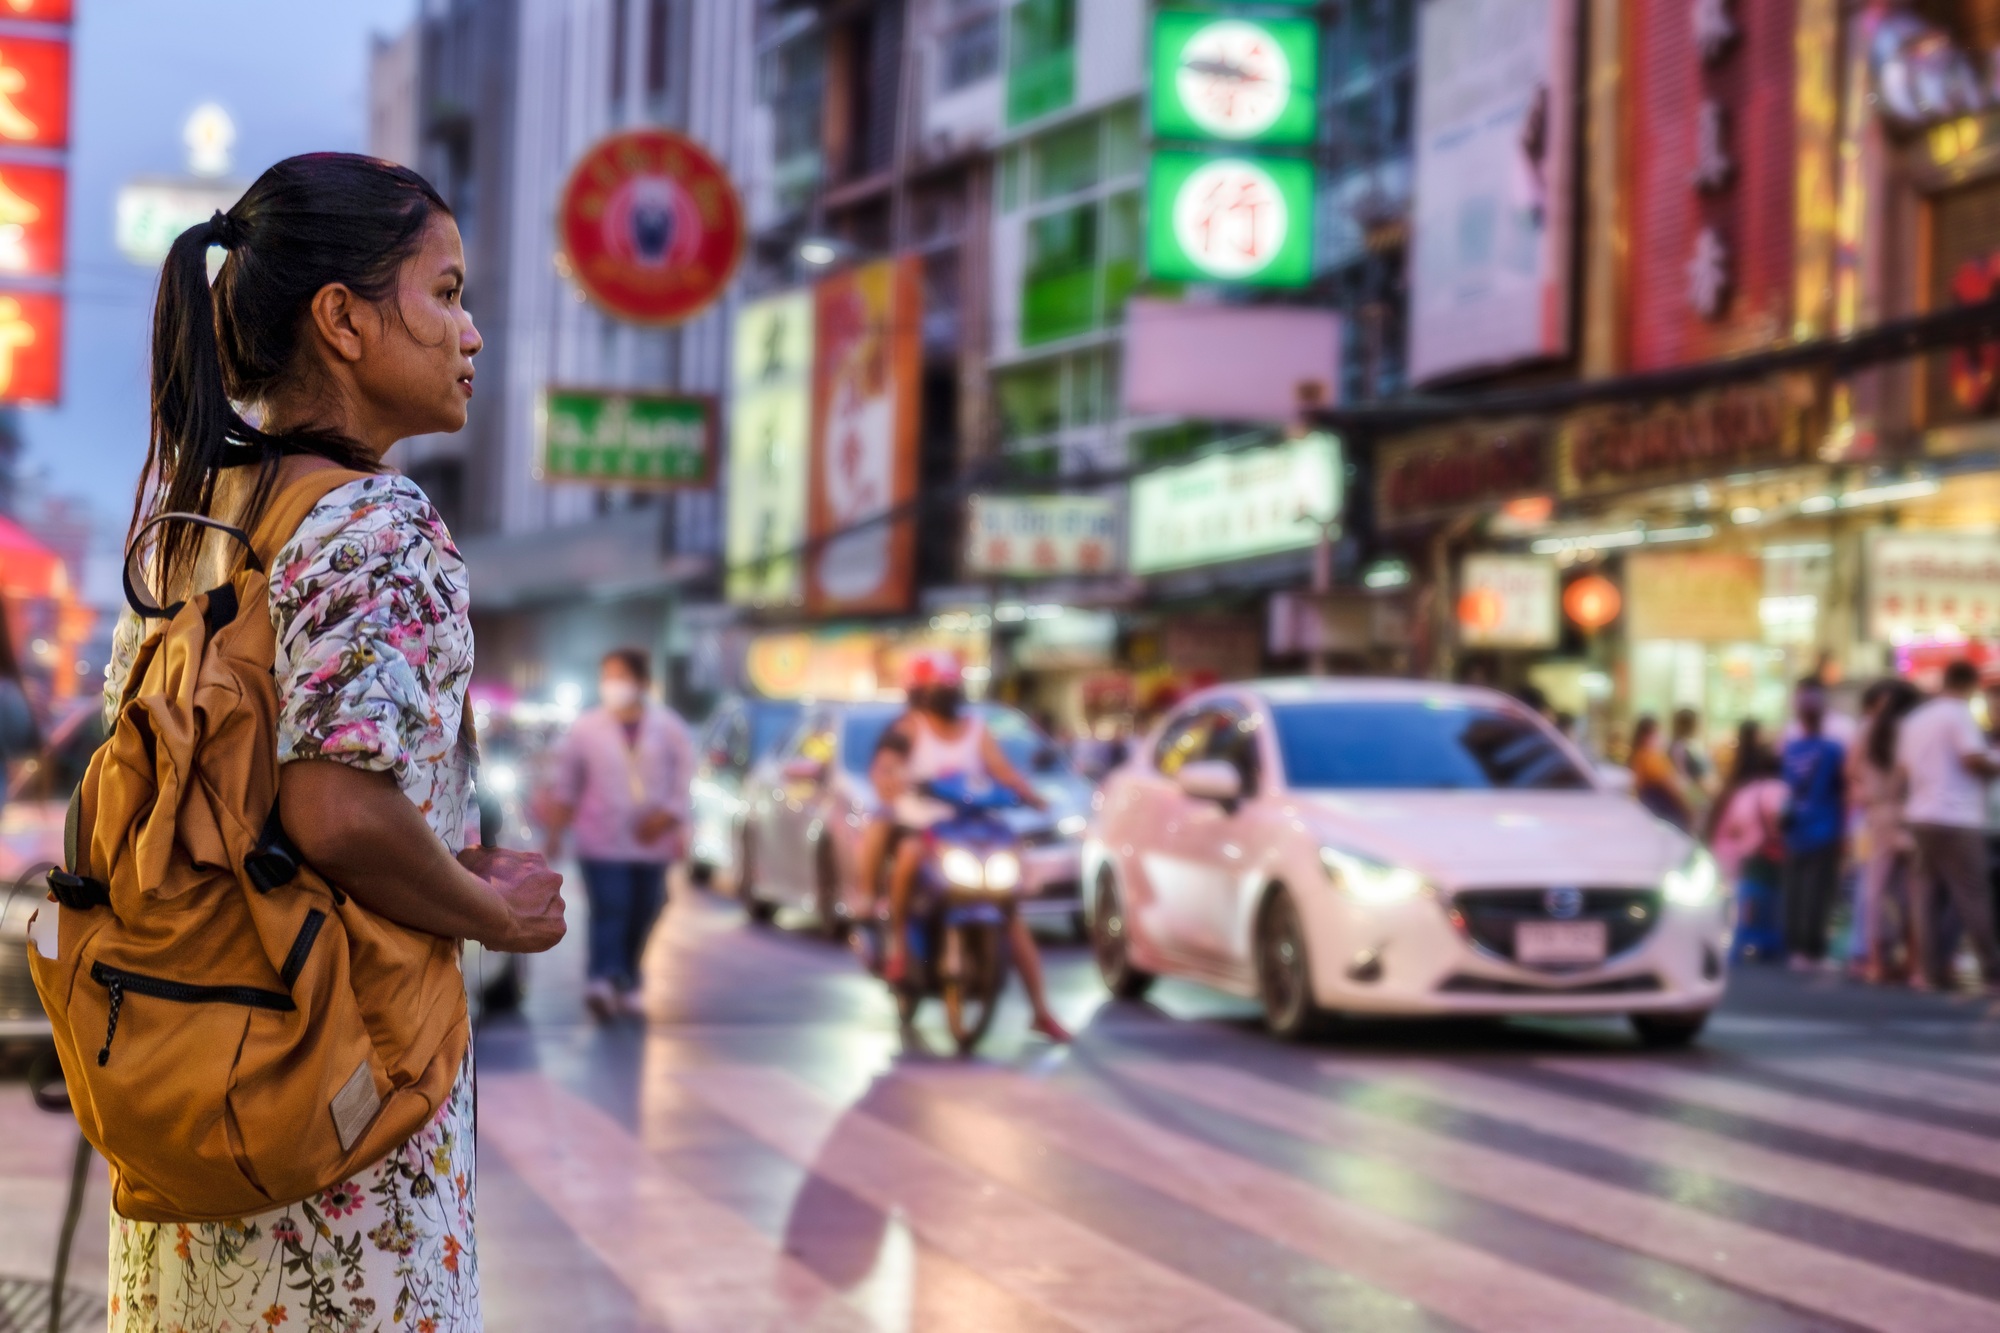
(738, 733)
(808, 801)
(31, 840)
(1397, 847)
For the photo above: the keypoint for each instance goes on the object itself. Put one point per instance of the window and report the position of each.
(1124, 145)
(1041, 58)
(1184, 740)
(1065, 161)
(1030, 401)
(656, 53)
(1059, 288)
(1013, 163)
(971, 52)
(1420, 745)
(770, 723)
(620, 22)
(1121, 253)
(860, 734)
(1233, 741)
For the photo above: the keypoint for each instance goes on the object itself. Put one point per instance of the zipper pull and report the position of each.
(117, 988)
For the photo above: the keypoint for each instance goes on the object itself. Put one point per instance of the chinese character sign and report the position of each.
(38, 11)
(626, 439)
(1234, 506)
(770, 447)
(1235, 79)
(31, 220)
(31, 330)
(1040, 536)
(864, 459)
(34, 92)
(1229, 219)
(1926, 586)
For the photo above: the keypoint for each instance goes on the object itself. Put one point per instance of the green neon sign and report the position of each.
(1224, 218)
(1232, 79)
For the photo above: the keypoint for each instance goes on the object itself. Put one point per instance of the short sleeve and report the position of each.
(357, 598)
(1970, 739)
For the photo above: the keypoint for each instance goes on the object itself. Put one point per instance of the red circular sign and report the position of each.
(651, 228)
(1592, 602)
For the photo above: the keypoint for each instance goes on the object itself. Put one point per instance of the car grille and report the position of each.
(17, 988)
(1465, 984)
(1488, 916)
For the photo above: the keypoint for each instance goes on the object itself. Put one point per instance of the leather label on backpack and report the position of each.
(354, 1107)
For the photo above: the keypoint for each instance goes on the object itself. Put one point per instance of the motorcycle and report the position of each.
(961, 908)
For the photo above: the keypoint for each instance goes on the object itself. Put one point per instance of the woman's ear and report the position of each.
(336, 317)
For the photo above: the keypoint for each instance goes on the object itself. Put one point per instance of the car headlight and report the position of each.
(1003, 872)
(962, 868)
(1369, 881)
(1071, 826)
(1694, 882)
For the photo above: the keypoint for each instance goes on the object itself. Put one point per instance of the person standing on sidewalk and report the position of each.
(1945, 764)
(621, 784)
(1815, 773)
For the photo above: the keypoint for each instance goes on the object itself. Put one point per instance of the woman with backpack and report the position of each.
(336, 318)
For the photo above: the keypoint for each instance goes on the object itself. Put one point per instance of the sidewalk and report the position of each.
(36, 1153)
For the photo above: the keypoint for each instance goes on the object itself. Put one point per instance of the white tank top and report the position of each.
(933, 757)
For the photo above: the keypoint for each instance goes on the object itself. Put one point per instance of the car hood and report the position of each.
(1460, 839)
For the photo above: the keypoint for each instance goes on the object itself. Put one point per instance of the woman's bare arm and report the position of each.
(358, 829)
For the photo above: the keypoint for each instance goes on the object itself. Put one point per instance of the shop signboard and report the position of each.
(650, 227)
(1925, 586)
(1220, 218)
(868, 324)
(1495, 142)
(1698, 596)
(32, 207)
(1744, 427)
(1234, 506)
(1040, 536)
(1460, 469)
(1235, 77)
(1963, 384)
(1508, 601)
(152, 213)
(31, 336)
(770, 443)
(848, 664)
(1228, 362)
(612, 437)
(34, 92)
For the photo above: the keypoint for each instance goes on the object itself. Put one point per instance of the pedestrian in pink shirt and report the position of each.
(620, 787)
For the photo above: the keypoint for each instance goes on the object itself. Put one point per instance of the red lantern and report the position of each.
(1592, 602)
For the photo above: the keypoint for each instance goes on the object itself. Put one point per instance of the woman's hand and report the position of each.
(531, 893)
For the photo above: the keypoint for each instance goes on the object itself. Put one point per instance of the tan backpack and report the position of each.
(236, 1033)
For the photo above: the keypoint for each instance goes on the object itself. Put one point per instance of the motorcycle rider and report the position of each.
(932, 741)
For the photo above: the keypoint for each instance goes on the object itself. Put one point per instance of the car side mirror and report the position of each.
(1211, 780)
(803, 770)
(1618, 779)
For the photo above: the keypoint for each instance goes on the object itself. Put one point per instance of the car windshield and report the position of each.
(1429, 744)
(1027, 749)
(770, 724)
(862, 729)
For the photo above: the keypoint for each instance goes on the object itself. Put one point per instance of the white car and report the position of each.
(1397, 847)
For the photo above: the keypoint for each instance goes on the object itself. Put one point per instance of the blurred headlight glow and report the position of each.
(1003, 872)
(1071, 826)
(962, 868)
(1370, 881)
(1694, 882)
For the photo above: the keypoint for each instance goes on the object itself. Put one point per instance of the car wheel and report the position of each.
(1110, 943)
(1663, 1031)
(826, 896)
(760, 912)
(1284, 970)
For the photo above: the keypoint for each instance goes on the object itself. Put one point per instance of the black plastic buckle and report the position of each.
(77, 893)
(274, 861)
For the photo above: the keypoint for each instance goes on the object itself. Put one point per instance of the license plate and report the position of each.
(1545, 943)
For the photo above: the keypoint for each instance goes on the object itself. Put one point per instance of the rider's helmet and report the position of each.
(931, 668)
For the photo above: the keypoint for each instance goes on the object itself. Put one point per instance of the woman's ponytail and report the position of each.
(308, 222)
(193, 420)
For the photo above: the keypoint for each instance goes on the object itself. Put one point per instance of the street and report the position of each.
(765, 1154)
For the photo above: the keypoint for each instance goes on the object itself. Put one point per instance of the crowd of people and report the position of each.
(1896, 805)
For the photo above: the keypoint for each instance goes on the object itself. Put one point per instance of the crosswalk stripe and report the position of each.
(1912, 1208)
(696, 1265)
(1833, 1120)
(1756, 1261)
(1905, 1082)
(1461, 1282)
(1032, 1251)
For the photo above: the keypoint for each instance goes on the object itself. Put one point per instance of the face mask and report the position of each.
(617, 693)
(946, 700)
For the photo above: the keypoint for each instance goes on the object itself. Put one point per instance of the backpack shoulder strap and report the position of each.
(295, 499)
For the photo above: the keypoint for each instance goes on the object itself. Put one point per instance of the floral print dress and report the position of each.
(374, 654)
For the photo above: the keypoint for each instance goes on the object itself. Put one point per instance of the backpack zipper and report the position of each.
(117, 981)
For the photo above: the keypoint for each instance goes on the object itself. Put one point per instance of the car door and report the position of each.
(1174, 908)
(1211, 843)
(800, 782)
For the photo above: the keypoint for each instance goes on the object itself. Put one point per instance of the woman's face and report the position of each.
(419, 379)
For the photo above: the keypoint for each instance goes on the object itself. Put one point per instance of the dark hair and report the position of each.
(1686, 720)
(1961, 675)
(1898, 698)
(308, 222)
(635, 662)
(1644, 730)
(1754, 759)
